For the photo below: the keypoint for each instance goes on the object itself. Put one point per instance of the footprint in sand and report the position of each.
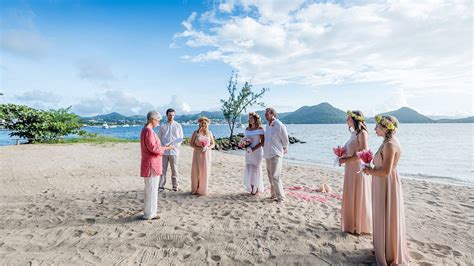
(416, 255)
(78, 233)
(216, 258)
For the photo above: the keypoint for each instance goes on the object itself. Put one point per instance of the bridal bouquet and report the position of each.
(339, 152)
(244, 143)
(204, 142)
(366, 157)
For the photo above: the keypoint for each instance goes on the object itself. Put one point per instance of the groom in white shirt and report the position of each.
(170, 132)
(275, 146)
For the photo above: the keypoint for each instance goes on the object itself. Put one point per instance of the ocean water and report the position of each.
(435, 152)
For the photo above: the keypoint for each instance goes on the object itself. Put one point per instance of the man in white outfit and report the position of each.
(275, 146)
(170, 132)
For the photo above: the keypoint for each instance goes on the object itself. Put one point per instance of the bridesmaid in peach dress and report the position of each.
(202, 141)
(356, 208)
(388, 209)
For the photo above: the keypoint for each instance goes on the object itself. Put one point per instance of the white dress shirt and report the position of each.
(276, 139)
(171, 133)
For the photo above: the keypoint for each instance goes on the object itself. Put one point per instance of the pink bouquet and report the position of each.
(204, 142)
(339, 152)
(366, 157)
(245, 143)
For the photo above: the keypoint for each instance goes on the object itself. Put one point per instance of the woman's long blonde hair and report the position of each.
(384, 121)
(205, 129)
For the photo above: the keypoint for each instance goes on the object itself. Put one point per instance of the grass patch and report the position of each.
(91, 138)
(99, 139)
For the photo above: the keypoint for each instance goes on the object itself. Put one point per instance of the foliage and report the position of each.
(38, 125)
(238, 102)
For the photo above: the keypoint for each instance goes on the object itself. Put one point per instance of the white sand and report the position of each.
(81, 203)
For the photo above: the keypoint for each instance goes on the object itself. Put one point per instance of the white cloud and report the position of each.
(93, 69)
(111, 101)
(420, 47)
(177, 104)
(89, 107)
(124, 103)
(226, 7)
(20, 36)
(194, 38)
(38, 96)
(26, 43)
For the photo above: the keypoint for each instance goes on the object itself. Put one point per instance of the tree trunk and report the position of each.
(231, 126)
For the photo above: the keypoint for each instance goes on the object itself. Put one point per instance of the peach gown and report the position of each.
(389, 237)
(200, 168)
(356, 207)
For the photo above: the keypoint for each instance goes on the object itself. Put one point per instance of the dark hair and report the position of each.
(271, 111)
(170, 110)
(358, 125)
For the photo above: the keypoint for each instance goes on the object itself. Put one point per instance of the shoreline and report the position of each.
(443, 180)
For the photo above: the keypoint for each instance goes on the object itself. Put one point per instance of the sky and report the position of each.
(134, 56)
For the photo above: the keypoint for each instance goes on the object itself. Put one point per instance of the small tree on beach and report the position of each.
(233, 107)
(39, 125)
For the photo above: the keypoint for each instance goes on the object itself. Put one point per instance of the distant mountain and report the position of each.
(323, 113)
(461, 120)
(111, 116)
(194, 117)
(114, 118)
(407, 115)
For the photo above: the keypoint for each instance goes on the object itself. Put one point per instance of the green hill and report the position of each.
(323, 113)
(194, 117)
(407, 115)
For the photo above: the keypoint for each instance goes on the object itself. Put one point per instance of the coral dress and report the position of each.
(389, 217)
(201, 167)
(356, 208)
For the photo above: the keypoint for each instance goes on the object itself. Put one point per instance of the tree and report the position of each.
(38, 125)
(233, 107)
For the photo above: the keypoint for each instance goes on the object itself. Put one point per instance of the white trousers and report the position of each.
(151, 197)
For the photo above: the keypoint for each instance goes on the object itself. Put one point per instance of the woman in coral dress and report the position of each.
(356, 207)
(202, 141)
(388, 208)
(253, 179)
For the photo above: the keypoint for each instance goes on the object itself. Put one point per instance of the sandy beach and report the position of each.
(82, 203)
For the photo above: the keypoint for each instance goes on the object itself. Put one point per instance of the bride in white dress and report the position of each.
(253, 178)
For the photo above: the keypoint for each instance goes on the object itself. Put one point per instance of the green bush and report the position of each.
(39, 125)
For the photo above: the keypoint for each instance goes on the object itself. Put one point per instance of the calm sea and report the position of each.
(436, 152)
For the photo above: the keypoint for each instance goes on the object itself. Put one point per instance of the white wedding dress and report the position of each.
(253, 178)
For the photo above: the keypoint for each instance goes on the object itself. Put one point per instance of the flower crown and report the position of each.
(382, 120)
(356, 117)
(255, 114)
(205, 119)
